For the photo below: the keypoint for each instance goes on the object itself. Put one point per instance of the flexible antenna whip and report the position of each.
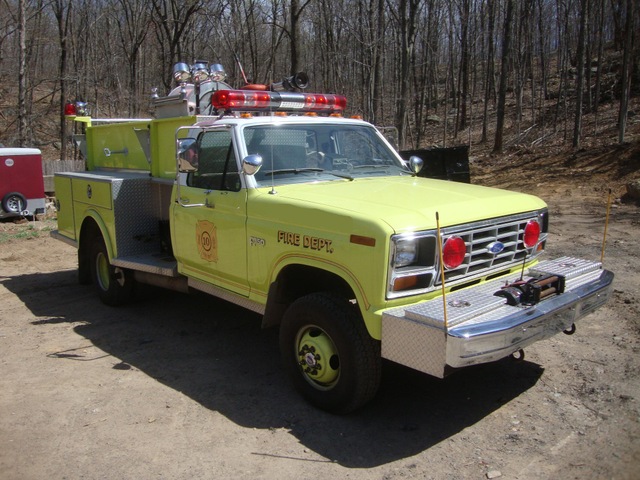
(606, 225)
(524, 261)
(244, 77)
(235, 56)
(444, 293)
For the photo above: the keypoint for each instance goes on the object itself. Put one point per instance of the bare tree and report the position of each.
(463, 10)
(295, 12)
(626, 69)
(377, 54)
(22, 80)
(62, 12)
(431, 56)
(504, 68)
(406, 18)
(172, 18)
(596, 105)
(490, 62)
(577, 130)
(133, 21)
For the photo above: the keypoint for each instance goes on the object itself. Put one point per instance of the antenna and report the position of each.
(444, 293)
(244, 77)
(606, 225)
(524, 262)
(235, 56)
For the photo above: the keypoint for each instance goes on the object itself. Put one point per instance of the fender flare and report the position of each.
(102, 228)
(92, 224)
(274, 309)
(334, 268)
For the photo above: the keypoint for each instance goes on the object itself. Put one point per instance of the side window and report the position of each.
(217, 166)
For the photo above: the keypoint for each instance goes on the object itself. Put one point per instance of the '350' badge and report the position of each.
(207, 239)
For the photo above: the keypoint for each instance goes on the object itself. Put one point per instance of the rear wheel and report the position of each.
(114, 284)
(14, 202)
(331, 358)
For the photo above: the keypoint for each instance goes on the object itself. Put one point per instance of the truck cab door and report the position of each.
(209, 215)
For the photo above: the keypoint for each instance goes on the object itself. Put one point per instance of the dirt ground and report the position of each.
(186, 387)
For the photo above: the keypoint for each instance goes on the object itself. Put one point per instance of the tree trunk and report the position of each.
(294, 33)
(626, 71)
(408, 10)
(464, 64)
(377, 62)
(502, 89)
(22, 80)
(599, 70)
(488, 87)
(577, 125)
(62, 12)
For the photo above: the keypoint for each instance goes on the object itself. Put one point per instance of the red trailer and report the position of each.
(21, 182)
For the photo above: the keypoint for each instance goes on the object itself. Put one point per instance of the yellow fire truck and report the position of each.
(267, 197)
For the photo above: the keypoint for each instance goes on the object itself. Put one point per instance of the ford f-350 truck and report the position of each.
(269, 198)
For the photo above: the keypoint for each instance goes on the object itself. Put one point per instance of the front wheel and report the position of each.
(114, 285)
(332, 360)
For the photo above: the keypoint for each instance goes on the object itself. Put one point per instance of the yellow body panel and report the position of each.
(117, 146)
(92, 192)
(64, 207)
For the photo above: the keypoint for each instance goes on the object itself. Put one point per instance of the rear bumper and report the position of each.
(482, 328)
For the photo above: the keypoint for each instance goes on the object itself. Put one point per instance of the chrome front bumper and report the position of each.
(482, 328)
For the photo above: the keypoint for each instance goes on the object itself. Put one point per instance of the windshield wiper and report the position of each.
(340, 175)
(292, 170)
(375, 165)
(310, 169)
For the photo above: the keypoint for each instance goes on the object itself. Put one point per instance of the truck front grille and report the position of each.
(423, 275)
(477, 237)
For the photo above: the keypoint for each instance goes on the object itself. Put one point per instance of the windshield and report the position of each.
(307, 153)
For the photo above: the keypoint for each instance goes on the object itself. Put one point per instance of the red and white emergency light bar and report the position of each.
(248, 100)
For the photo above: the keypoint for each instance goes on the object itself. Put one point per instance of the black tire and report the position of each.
(114, 285)
(14, 202)
(346, 377)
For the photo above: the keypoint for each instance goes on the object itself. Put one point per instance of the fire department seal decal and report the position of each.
(207, 239)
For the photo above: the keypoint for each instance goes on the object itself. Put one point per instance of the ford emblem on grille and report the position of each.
(495, 247)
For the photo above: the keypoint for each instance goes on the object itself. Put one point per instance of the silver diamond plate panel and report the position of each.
(135, 213)
(482, 327)
(461, 306)
(568, 267)
(409, 343)
(478, 304)
(152, 263)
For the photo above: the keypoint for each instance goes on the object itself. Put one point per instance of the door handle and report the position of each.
(184, 202)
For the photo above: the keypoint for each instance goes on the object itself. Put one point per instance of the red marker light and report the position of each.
(70, 110)
(453, 252)
(531, 234)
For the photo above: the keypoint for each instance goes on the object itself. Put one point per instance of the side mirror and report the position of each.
(251, 164)
(415, 164)
(187, 155)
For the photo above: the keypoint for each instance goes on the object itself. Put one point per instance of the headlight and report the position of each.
(406, 253)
